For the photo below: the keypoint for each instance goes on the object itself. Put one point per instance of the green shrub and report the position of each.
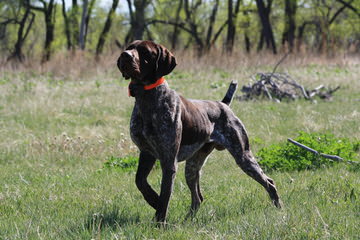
(288, 157)
(128, 163)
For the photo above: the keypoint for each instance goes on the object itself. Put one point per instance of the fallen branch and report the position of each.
(279, 86)
(331, 157)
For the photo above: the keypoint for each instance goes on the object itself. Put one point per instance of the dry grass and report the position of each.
(83, 64)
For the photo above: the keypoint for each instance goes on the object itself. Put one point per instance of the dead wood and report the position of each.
(281, 86)
(278, 86)
(331, 157)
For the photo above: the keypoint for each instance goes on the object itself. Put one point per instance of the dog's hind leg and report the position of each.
(146, 163)
(249, 165)
(234, 138)
(192, 175)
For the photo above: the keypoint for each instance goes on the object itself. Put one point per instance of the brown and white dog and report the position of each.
(168, 127)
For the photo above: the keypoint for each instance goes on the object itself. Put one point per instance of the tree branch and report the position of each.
(9, 21)
(131, 12)
(180, 25)
(348, 5)
(331, 157)
(27, 4)
(338, 13)
(217, 34)
(30, 25)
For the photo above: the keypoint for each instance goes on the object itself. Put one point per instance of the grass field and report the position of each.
(59, 125)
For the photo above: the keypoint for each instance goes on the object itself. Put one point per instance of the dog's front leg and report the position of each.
(146, 163)
(169, 169)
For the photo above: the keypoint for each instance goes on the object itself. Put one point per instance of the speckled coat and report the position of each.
(168, 127)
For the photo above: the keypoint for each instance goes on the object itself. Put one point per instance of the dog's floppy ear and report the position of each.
(165, 61)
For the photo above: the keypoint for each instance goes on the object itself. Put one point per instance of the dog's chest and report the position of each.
(155, 128)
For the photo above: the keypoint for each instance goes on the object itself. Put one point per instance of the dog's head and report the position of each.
(144, 62)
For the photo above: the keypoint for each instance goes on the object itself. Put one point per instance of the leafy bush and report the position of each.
(127, 163)
(288, 157)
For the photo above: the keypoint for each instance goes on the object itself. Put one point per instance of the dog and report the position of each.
(168, 127)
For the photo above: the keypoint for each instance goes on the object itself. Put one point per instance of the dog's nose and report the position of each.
(126, 54)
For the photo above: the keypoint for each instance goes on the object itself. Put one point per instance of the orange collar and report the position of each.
(149, 87)
(155, 84)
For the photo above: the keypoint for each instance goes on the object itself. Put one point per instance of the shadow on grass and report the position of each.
(100, 221)
(110, 218)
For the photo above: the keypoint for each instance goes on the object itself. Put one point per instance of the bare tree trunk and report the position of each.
(301, 31)
(21, 36)
(261, 41)
(137, 19)
(193, 27)
(211, 25)
(74, 23)
(67, 26)
(290, 25)
(247, 42)
(246, 32)
(231, 28)
(88, 15)
(175, 34)
(139, 23)
(48, 10)
(326, 25)
(264, 14)
(50, 28)
(106, 29)
(82, 25)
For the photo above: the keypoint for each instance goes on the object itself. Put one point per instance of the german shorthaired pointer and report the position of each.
(168, 127)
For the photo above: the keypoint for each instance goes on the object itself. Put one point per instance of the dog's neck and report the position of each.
(149, 100)
(135, 90)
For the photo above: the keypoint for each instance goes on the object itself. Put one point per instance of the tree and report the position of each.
(266, 31)
(85, 18)
(48, 9)
(23, 30)
(231, 28)
(106, 29)
(175, 35)
(67, 26)
(301, 31)
(327, 12)
(74, 24)
(75, 35)
(195, 26)
(137, 19)
(246, 31)
(290, 25)
(83, 25)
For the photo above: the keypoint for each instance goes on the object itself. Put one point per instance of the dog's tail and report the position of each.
(230, 93)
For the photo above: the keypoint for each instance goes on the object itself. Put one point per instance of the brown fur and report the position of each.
(168, 127)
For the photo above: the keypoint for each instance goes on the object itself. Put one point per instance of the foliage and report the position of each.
(288, 157)
(127, 163)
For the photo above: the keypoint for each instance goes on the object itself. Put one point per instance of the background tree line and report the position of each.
(32, 27)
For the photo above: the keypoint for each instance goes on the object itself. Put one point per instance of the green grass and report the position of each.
(57, 132)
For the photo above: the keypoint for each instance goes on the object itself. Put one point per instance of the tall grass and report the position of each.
(60, 122)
